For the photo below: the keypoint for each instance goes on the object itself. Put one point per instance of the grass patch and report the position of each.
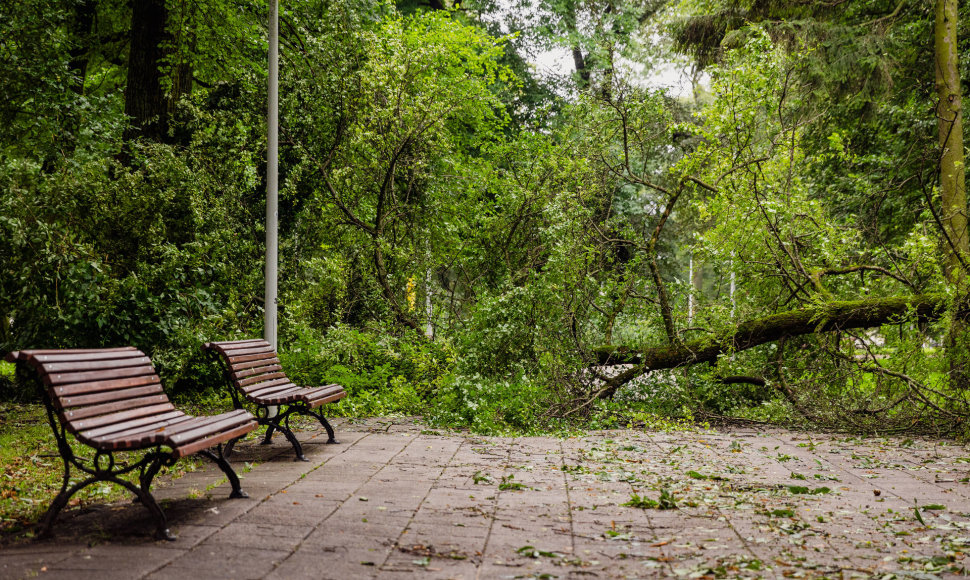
(31, 470)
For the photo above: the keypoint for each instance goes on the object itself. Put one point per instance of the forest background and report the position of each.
(490, 247)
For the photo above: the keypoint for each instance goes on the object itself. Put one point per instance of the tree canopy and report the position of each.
(467, 238)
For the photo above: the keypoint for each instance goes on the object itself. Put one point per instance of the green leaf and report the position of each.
(533, 552)
(641, 502)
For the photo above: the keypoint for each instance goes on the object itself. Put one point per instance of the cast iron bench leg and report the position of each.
(280, 423)
(220, 460)
(331, 437)
(296, 445)
(268, 438)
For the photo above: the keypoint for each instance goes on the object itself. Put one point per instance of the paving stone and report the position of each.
(398, 500)
(329, 565)
(219, 562)
(113, 561)
(23, 562)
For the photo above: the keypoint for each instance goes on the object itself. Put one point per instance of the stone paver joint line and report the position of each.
(399, 501)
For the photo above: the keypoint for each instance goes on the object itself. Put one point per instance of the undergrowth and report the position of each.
(31, 470)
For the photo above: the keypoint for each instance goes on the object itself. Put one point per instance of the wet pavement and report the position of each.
(396, 500)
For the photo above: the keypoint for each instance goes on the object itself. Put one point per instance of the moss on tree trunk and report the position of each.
(840, 315)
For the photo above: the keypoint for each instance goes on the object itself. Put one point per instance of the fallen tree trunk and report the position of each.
(826, 317)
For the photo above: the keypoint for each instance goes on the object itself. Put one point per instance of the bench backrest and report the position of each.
(252, 364)
(97, 388)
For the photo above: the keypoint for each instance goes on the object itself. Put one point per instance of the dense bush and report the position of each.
(455, 247)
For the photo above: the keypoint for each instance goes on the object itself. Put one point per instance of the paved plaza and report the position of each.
(397, 500)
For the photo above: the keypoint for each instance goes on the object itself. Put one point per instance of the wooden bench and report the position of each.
(254, 375)
(112, 400)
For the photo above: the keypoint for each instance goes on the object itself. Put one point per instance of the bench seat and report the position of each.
(112, 400)
(255, 376)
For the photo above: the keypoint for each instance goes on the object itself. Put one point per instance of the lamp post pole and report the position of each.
(272, 180)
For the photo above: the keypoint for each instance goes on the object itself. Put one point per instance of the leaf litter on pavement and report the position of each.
(797, 505)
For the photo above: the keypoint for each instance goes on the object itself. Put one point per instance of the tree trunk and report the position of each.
(953, 191)
(579, 61)
(145, 101)
(81, 50)
(950, 124)
(383, 279)
(185, 39)
(826, 317)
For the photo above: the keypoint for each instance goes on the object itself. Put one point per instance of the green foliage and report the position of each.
(800, 489)
(388, 127)
(383, 374)
(490, 406)
(457, 243)
(43, 113)
(158, 254)
(508, 484)
(666, 501)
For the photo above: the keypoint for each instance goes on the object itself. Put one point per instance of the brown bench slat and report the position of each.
(86, 355)
(166, 427)
(254, 364)
(138, 440)
(212, 425)
(289, 390)
(176, 434)
(208, 421)
(287, 398)
(243, 383)
(277, 385)
(226, 344)
(98, 386)
(64, 378)
(249, 350)
(240, 344)
(73, 414)
(317, 401)
(93, 365)
(258, 371)
(279, 379)
(240, 359)
(152, 422)
(34, 353)
(207, 442)
(326, 394)
(316, 397)
(103, 420)
(106, 396)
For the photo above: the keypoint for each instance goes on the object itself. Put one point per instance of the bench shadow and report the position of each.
(126, 522)
(120, 523)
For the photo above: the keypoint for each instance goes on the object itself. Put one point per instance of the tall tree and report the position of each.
(953, 193)
(949, 112)
(84, 12)
(145, 99)
(160, 68)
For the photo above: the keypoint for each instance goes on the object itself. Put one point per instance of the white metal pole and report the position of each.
(272, 179)
(690, 291)
(429, 312)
